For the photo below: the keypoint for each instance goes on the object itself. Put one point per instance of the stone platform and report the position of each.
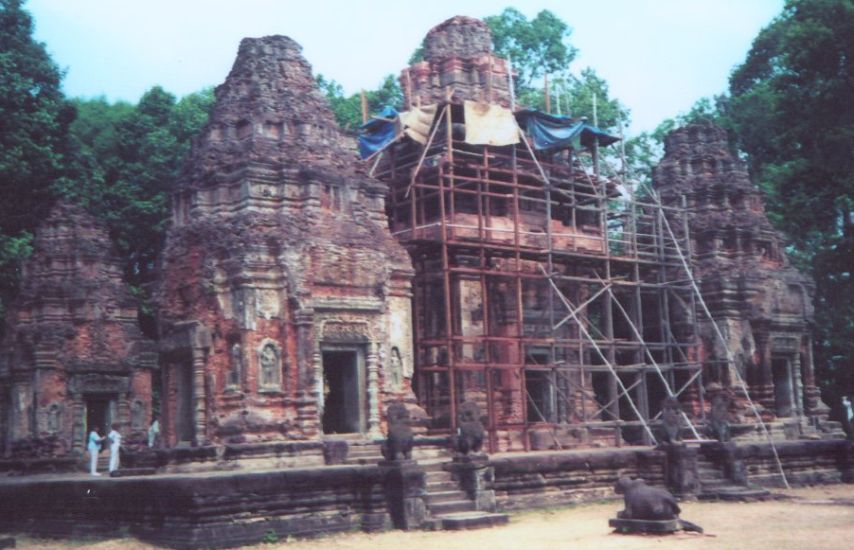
(630, 526)
(220, 509)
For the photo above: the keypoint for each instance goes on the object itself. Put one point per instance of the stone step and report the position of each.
(439, 497)
(450, 507)
(735, 493)
(438, 486)
(424, 453)
(470, 520)
(364, 451)
(432, 465)
(713, 485)
(130, 472)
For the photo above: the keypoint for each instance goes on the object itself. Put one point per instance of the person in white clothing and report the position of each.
(153, 432)
(94, 447)
(115, 439)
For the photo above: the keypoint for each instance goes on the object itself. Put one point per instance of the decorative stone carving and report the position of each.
(398, 443)
(270, 373)
(395, 368)
(470, 429)
(236, 371)
(671, 420)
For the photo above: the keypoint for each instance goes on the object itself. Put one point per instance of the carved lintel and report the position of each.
(345, 331)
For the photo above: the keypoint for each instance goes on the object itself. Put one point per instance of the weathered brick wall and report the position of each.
(72, 333)
(559, 478)
(804, 462)
(216, 511)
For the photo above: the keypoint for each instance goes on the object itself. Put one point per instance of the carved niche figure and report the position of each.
(54, 418)
(137, 415)
(671, 421)
(236, 367)
(642, 502)
(469, 438)
(395, 369)
(270, 372)
(719, 418)
(399, 440)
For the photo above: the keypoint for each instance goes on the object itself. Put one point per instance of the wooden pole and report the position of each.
(408, 89)
(596, 139)
(510, 84)
(364, 99)
(546, 92)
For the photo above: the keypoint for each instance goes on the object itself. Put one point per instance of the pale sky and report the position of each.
(658, 56)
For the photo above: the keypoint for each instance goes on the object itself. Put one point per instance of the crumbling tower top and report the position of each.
(458, 64)
(459, 36)
(268, 111)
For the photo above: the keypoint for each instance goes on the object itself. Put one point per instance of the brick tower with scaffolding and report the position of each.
(541, 294)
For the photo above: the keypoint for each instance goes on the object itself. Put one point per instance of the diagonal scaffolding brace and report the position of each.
(720, 335)
(596, 347)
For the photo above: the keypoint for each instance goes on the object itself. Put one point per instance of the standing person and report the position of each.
(115, 439)
(848, 415)
(153, 431)
(94, 448)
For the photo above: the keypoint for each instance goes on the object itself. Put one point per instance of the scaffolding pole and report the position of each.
(719, 333)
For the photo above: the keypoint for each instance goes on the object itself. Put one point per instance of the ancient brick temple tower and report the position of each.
(762, 304)
(284, 302)
(458, 59)
(73, 355)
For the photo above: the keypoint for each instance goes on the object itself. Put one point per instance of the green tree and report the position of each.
(34, 145)
(348, 109)
(537, 47)
(790, 111)
(135, 154)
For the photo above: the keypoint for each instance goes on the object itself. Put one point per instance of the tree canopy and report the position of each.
(537, 47)
(135, 154)
(34, 145)
(790, 111)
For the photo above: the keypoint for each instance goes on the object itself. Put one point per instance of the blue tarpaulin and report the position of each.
(554, 131)
(377, 132)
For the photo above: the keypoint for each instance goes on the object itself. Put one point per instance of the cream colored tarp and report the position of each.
(416, 123)
(489, 124)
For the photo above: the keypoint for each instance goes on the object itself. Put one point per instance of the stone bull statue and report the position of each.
(643, 502)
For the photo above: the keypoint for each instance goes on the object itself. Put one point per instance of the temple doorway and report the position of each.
(343, 390)
(783, 388)
(184, 421)
(100, 412)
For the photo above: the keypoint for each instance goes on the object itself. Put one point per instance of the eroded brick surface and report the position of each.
(279, 253)
(763, 305)
(72, 343)
(458, 60)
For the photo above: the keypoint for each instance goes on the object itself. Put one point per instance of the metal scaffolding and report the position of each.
(560, 307)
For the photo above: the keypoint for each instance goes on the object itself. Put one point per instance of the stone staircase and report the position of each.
(715, 486)
(449, 507)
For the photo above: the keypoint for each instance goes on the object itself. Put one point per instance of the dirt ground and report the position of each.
(818, 518)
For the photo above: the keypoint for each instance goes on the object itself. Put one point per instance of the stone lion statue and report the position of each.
(718, 426)
(398, 443)
(671, 421)
(469, 438)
